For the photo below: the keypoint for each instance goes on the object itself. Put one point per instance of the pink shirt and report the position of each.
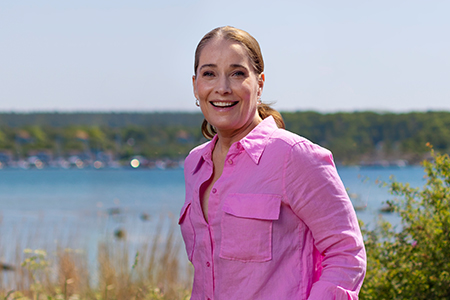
(281, 225)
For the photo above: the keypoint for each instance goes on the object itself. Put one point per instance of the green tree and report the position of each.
(413, 262)
(2, 138)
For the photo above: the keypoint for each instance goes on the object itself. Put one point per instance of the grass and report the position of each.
(152, 270)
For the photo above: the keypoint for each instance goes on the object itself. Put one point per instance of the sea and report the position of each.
(77, 209)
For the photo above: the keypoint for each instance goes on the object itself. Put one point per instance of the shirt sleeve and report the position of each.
(318, 197)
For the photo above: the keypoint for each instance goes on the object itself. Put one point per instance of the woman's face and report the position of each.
(228, 88)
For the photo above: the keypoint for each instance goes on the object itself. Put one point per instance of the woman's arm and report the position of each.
(318, 197)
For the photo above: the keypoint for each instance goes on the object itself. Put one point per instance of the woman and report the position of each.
(266, 215)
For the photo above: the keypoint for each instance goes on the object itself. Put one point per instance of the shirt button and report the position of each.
(214, 190)
(208, 264)
(230, 161)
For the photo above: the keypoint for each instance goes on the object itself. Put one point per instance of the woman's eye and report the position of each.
(208, 74)
(239, 73)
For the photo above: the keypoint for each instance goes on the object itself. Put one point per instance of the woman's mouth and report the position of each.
(223, 104)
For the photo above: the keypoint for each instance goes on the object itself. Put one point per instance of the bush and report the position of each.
(413, 261)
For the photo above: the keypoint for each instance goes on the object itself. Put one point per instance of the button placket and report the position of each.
(208, 261)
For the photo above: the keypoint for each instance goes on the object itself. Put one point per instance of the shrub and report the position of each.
(413, 261)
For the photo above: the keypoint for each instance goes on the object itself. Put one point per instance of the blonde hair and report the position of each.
(251, 45)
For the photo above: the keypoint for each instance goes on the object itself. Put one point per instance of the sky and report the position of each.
(137, 55)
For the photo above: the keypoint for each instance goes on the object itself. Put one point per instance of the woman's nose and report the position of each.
(223, 86)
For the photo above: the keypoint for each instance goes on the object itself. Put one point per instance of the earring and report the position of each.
(197, 102)
(259, 101)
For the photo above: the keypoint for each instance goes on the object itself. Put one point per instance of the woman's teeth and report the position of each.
(223, 104)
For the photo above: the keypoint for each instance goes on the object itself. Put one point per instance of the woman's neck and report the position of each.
(228, 138)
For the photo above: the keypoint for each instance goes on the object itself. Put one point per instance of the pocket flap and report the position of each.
(253, 206)
(183, 212)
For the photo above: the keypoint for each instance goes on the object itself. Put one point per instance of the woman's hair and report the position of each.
(251, 45)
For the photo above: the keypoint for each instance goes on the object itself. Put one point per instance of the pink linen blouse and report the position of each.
(281, 225)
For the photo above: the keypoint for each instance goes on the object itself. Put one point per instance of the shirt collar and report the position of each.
(253, 143)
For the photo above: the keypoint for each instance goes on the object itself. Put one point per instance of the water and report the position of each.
(77, 208)
(366, 184)
(85, 196)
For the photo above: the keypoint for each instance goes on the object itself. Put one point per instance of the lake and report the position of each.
(78, 208)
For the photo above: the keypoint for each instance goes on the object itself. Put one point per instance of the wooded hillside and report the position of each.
(354, 138)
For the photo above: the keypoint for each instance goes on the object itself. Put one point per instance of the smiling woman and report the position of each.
(266, 215)
(228, 88)
(248, 67)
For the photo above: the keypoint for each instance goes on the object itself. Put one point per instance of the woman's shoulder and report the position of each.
(283, 136)
(199, 149)
(195, 154)
(297, 143)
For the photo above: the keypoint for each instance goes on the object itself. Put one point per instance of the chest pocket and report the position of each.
(246, 225)
(187, 229)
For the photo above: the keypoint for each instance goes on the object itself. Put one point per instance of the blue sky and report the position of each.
(137, 55)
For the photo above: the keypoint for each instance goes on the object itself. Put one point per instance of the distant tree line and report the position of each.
(352, 137)
(368, 136)
(121, 119)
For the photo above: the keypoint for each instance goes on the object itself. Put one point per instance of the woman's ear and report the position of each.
(261, 80)
(194, 86)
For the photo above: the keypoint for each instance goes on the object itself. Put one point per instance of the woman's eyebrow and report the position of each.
(208, 66)
(233, 66)
(238, 66)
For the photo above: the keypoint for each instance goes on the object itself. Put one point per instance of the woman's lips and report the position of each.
(223, 104)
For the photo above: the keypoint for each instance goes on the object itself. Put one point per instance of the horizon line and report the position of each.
(378, 111)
